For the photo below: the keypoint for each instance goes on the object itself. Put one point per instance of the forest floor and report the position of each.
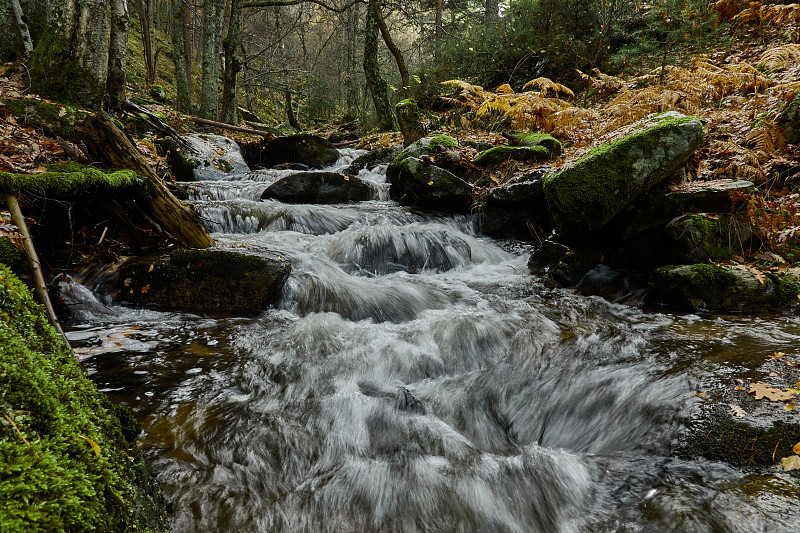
(739, 95)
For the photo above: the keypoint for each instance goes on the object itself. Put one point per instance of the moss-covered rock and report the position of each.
(531, 138)
(12, 257)
(422, 184)
(372, 159)
(585, 196)
(410, 121)
(211, 281)
(425, 146)
(157, 93)
(68, 461)
(306, 148)
(319, 188)
(57, 119)
(208, 157)
(703, 237)
(708, 287)
(498, 154)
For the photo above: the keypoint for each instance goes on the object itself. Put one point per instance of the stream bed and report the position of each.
(416, 377)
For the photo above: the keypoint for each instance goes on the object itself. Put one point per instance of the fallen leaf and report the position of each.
(789, 406)
(762, 279)
(740, 388)
(145, 288)
(796, 448)
(93, 444)
(762, 390)
(738, 412)
(430, 182)
(701, 394)
(776, 354)
(791, 463)
(150, 269)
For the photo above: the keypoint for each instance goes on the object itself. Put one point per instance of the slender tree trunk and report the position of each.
(23, 27)
(437, 36)
(375, 82)
(209, 97)
(178, 50)
(144, 19)
(350, 86)
(70, 61)
(398, 57)
(233, 64)
(187, 47)
(118, 54)
(293, 122)
(492, 13)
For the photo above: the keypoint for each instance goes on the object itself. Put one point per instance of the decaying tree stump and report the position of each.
(105, 142)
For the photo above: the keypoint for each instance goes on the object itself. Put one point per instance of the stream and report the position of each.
(416, 378)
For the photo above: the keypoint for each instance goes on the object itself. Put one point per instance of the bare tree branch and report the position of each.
(326, 5)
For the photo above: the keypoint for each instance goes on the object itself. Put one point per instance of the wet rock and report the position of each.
(498, 154)
(789, 120)
(425, 147)
(319, 188)
(420, 184)
(210, 157)
(305, 148)
(409, 119)
(511, 208)
(559, 265)
(206, 281)
(717, 196)
(157, 93)
(589, 193)
(370, 160)
(531, 138)
(291, 166)
(705, 287)
(702, 237)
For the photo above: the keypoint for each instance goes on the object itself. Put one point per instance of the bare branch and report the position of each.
(277, 3)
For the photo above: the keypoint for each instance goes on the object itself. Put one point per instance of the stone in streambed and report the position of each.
(318, 188)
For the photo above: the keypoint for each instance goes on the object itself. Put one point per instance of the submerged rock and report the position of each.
(305, 148)
(210, 157)
(217, 281)
(705, 287)
(585, 196)
(559, 265)
(370, 160)
(319, 188)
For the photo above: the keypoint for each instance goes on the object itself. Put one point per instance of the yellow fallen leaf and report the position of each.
(150, 269)
(776, 354)
(738, 412)
(796, 448)
(791, 463)
(701, 394)
(430, 182)
(145, 288)
(93, 444)
(789, 406)
(740, 388)
(762, 390)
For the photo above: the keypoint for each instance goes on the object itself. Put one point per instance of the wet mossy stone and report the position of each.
(410, 121)
(425, 146)
(69, 461)
(498, 154)
(558, 265)
(531, 138)
(420, 184)
(309, 149)
(206, 281)
(208, 157)
(318, 188)
(370, 160)
(705, 287)
(585, 196)
(157, 93)
(700, 237)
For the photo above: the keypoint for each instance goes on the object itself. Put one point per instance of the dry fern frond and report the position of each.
(767, 138)
(499, 103)
(743, 163)
(751, 14)
(532, 109)
(504, 89)
(570, 121)
(781, 13)
(786, 87)
(781, 57)
(727, 9)
(603, 82)
(546, 84)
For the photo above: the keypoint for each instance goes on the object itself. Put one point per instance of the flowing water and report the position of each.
(415, 377)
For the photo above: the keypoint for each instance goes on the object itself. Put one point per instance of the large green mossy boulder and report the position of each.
(705, 287)
(68, 456)
(206, 281)
(498, 154)
(420, 184)
(585, 196)
(318, 188)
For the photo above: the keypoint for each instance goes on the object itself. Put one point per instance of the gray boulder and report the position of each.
(206, 281)
(319, 188)
(789, 120)
(209, 157)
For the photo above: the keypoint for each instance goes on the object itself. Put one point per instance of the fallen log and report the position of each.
(105, 142)
(224, 126)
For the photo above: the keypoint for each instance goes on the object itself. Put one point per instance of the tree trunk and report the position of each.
(492, 13)
(437, 36)
(70, 61)
(118, 54)
(106, 143)
(375, 83)
(293, 122)
(178, 56)
(398, 57)
(149, 62)
(350, 86)
(209, 97)
(23, 27)
(187, 46)
(233, 65)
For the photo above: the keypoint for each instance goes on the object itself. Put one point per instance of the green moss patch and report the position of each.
(498, 154)
(68, 178)
(67, 463)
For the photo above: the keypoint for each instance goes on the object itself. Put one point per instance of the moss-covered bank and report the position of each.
(68, 459)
